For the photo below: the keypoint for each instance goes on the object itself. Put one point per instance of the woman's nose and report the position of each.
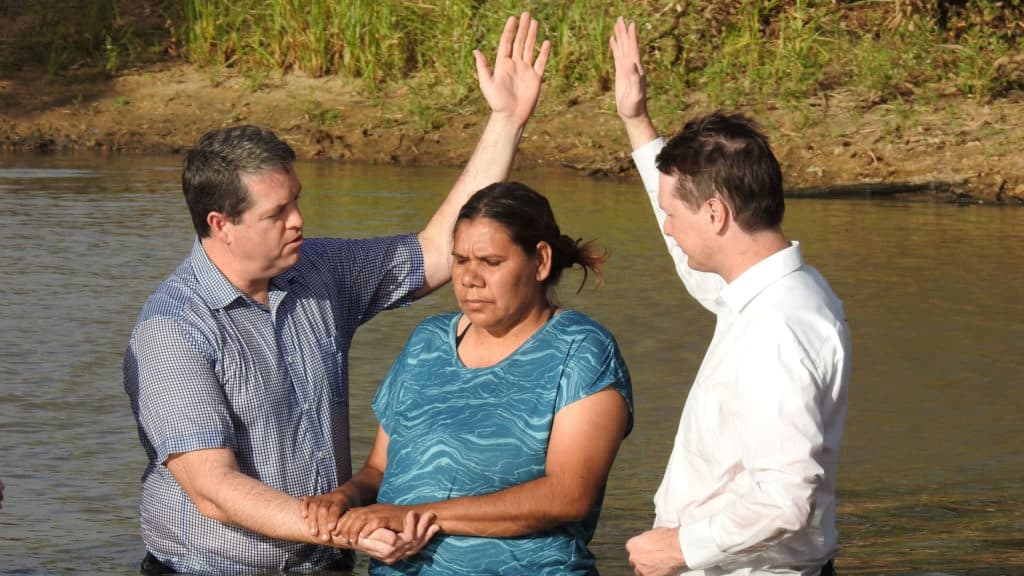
(470, 276)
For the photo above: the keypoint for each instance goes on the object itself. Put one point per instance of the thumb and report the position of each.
(483, 70)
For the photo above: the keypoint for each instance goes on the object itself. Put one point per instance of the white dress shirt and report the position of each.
(752, 477)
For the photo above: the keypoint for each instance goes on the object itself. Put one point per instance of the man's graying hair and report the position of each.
(214, 166)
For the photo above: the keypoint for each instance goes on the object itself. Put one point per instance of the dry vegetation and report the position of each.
(857, 97)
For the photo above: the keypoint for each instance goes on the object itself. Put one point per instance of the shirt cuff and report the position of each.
(644, 158)
(698, 545)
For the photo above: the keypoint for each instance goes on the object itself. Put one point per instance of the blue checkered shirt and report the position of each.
(208, 367)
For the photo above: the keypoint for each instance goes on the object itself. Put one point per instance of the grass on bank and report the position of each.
(735, 51)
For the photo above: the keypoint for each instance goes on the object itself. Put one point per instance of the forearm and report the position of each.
(362, 489)
(524, 509)
(739, 531)
(640, 130)
(703, 286)
(242, 501)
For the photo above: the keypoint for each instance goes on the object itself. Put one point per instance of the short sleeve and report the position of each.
(420, 351)
(180, 402)
(594, 363)
(369, 275)
(384, 400)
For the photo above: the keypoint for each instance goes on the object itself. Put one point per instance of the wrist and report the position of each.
(640, 130)
(506, 121)
(344, 497)
(636, 120)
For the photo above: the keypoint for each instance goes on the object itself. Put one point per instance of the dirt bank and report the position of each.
(946, 150)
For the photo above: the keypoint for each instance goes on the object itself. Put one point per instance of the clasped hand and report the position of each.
(385, 532)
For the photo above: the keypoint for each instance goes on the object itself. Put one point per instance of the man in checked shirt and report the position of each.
(237, 366)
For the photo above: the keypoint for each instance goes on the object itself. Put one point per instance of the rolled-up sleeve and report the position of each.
(181, 404)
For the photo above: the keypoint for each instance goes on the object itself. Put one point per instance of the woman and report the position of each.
(503, 420)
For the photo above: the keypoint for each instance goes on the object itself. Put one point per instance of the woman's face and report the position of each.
(496, 283)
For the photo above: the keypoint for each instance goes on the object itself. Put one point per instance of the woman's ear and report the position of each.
(543, 256)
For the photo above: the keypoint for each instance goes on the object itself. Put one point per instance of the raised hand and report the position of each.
(512, 88)
(322, 513)
(630, 82)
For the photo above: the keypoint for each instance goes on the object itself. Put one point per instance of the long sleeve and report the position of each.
(703, 286)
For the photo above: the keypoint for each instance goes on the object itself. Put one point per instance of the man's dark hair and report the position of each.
(214, 166)
(727, 156)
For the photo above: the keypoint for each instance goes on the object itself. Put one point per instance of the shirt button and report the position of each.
(306, 407)
(291, 359)
(320, 455)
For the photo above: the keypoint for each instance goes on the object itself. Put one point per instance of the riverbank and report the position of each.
(951, 148)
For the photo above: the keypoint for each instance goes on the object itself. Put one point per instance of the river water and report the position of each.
(932, 473)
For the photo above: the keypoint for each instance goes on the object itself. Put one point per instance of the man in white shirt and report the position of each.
(750, 485)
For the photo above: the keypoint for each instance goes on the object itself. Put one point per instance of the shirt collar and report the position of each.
(738, 293)
(217, 290)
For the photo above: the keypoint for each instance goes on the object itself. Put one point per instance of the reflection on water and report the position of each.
(932, 478)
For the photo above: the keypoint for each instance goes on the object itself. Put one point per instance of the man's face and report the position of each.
(266, 239)
(690, 228)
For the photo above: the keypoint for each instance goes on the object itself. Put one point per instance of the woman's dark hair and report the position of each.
(527, 216)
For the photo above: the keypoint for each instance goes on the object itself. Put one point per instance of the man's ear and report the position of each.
(719, 214)
(218, 224)
(543, 256)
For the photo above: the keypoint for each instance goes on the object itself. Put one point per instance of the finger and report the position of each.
(310, 515)
(483, 69)
(321, 522)
(421, 543)
(542, 58)
(384, 535)
(505, 44)
(303, 506)
(633, 44)
(410, 524)
(521, 32)
(617, 42)
(369, 526)
(431, 532)
(334, 512)
(531, 42)
(427, 521)
(621, 33)
(619, 30)
(379, 549)
(348, 527)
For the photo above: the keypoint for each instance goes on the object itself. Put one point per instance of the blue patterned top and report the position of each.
(208, 367)
(457, 431)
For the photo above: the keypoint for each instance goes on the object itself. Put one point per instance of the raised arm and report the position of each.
(631, 103)
(585, 437)
(511, 88)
